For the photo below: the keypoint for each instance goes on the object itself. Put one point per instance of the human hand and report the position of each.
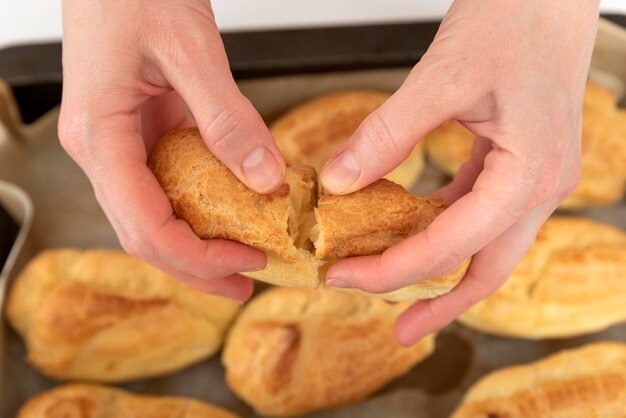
(512, 72)
(129, 67)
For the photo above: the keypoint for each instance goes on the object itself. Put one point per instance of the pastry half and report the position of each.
(94, 401)
(581, 383)
(295, 351)
(571, 282)
(288, 224)
(102, 315)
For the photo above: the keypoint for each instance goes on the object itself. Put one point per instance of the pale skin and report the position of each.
(513, 72)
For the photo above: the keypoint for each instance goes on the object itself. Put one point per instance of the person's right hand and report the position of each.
(129, 68)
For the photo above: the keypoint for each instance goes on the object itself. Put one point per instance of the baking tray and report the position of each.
(68, 215)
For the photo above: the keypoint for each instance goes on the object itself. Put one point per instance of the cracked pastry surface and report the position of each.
(294, 351)
(102, 315)
(571, 282)
(93, 401)
(589, 381)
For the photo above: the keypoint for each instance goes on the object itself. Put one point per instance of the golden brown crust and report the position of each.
(208, 196)
(312, 132)
(603, 179)
(580, 383)
(103, 315)
(294, 351)
(554, 291)
(374, 219)
(93, 401)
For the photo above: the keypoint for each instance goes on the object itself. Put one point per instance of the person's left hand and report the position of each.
(513, 72)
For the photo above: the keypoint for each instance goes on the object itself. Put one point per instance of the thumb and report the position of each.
(230, 126)
(385, 138)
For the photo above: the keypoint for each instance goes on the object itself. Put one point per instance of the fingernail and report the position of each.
(341, 172)
(340, 283)
(261, 170)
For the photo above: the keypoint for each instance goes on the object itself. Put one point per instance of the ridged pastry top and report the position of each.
(92, 401)
(581, 383)
(103, 315)
(572, 281)
(294, 351)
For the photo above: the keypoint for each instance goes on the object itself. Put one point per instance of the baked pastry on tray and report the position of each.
(586, 382)
(94, 401)
(291, 222)
(102, 315)
(294, 351)
(310, 133)
(571, 282)
(603, 178)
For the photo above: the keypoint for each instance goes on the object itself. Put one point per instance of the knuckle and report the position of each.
(138, 244)
(546, 186)
(380, 286)
(376, 135)
(442, 76)
(72, 136)
(444, 261)
(570, 183)
(182, 38)
(444, 264)
(224, 129)
(572, 178)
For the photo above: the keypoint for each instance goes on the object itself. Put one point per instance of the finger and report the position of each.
(489, 269)
(465, 178)
(229, 124)
(499, 198)
(235, 287)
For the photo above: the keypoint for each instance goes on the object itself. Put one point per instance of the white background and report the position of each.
(28, 21)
